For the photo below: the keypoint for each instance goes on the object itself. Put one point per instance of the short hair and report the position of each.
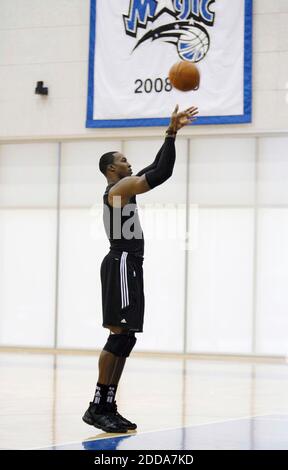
(105, 160)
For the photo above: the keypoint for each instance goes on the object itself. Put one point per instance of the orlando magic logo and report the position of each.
(187, 31)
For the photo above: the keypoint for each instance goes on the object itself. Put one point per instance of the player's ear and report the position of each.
(111, 167)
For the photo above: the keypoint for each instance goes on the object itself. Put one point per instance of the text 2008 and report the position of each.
(148, 85)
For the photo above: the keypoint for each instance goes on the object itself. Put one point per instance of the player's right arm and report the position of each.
(132, 185)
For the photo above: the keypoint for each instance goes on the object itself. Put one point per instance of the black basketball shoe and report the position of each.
(99, 417)
(112, 408)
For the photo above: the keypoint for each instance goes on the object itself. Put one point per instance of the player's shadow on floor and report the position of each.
(106, 441)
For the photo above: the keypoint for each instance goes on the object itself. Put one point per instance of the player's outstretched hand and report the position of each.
(179, 120)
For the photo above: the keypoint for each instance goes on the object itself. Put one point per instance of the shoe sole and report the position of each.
(103, 428)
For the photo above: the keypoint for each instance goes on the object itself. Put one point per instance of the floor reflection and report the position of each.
(112, 443)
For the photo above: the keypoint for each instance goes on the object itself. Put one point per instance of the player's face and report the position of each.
(123, 167)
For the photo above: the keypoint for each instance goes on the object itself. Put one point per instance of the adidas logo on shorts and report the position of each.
(123, 321)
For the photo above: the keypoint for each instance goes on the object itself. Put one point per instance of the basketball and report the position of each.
(184, 76)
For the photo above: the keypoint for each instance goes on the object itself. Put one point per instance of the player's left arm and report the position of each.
(153, 165)
(177, 122)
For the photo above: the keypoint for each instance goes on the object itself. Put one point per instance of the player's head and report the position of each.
(114, 164)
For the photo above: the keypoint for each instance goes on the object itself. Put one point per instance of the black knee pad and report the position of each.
(120, 345)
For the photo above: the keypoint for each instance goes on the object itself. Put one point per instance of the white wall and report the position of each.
(220, 295)
(28, 223)
(227, 292)
(49, 41)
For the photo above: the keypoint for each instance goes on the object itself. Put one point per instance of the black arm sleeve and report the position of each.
(165, 166)
(153, 165)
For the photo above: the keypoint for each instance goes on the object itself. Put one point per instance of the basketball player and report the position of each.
(122, 269)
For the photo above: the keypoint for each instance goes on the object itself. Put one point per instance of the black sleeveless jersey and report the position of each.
(122, 226)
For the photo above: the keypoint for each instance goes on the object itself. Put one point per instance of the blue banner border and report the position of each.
(236, 119)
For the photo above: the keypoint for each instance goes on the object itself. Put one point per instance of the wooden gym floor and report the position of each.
(177, 402)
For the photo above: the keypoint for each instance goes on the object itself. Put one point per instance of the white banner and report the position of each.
(133, 44)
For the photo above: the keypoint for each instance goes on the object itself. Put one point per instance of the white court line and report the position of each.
(115, 436)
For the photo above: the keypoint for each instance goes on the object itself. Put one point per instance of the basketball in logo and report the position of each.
(193, 44)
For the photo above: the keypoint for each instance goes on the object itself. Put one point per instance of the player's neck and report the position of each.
(113, 180)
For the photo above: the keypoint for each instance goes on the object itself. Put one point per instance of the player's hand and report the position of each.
(179, 120)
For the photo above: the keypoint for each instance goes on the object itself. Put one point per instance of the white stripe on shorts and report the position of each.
(123, 280)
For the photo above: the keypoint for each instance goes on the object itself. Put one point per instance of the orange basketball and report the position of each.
(184, 76)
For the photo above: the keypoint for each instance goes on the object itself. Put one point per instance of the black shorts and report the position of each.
(123, 299)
